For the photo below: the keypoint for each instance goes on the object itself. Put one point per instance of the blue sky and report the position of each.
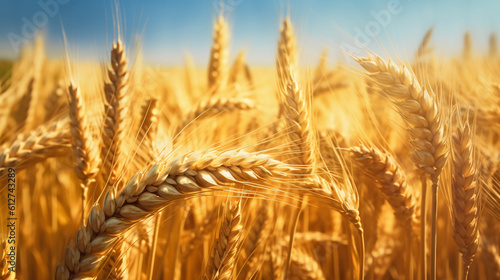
(170, 28)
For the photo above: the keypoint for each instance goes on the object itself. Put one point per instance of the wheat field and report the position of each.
(383, 170)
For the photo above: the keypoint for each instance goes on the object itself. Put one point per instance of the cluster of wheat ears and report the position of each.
(384, 171)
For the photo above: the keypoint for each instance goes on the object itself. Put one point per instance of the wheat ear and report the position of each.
(86, 159)
(304, 266)
(423, 48)
(20, 114)
(493, 45)
(54, 104)
(150, 190)
(223, 258)
(287, 52)
(219, 57)
(390, 181)
(256, 241)
(237, 68)
(465, 195)
(295, 111)
(467, 46)
(45, 142)
(149, 128)
(116, 93)
(420, 111)
(417, 107)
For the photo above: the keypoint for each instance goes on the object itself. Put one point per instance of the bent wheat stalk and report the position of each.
(43, 143)
(150, 190)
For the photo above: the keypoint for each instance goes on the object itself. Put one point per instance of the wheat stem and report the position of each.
(423, 220)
